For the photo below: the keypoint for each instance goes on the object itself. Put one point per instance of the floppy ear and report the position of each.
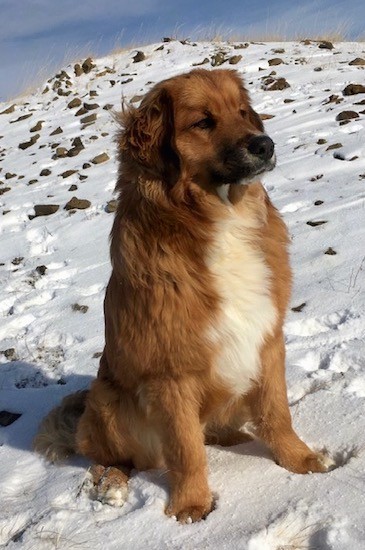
(148, 135)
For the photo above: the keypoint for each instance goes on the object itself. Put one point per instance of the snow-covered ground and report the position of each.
(54, 269)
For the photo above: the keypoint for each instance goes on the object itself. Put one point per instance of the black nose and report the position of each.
(261, 146)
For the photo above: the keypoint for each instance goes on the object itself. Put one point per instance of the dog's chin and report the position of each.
(243, 173)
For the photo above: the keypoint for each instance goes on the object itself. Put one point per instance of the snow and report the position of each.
(259, 506)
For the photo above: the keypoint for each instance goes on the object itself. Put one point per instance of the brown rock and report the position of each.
(61, 152)
(45, 209)
(23, 117)
(68, 173)
(87, 65)
(278, 84)
(103, 157)
(140, 56)
(29, 143)
(4, 190)
(353, 89)
(89, 119)
(316, 224)
(91, 106)
(81, 112)
(111, 206)
(76, 102)
(234, 59)
(45, 172)
(9, 110)
(334, 146)
(358, 61)
(346, 115)
(275, 61)
(77, 204)
(78, 70)
(330, 251)
(37, 127)
(325, 45)
(56, 131)
(218, 59)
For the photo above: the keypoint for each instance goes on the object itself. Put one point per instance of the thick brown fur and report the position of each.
(158, 395)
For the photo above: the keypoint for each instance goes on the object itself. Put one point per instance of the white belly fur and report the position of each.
(247, 313)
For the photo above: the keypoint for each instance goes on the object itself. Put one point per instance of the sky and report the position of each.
(37, 37)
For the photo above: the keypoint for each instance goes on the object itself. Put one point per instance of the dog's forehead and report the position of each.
(206, 90)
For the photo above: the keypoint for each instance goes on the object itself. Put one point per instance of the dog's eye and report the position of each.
(204, 124)
(243, 113)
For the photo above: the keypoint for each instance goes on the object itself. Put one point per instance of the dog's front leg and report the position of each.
(175, 406)
(271, 414)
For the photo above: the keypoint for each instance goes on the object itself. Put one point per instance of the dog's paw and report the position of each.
(310, 463)
(108, 485)
(190, 513)
(318, 462)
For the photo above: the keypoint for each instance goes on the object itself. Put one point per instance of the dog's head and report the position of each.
(200, 125)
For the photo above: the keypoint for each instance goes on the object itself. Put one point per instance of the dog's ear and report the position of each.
(147, 137)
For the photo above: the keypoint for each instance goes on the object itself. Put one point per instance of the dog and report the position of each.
(196, 301)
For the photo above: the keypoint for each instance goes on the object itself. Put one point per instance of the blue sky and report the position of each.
(39, 36)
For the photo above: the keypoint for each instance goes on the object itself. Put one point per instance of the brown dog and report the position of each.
(196, 301)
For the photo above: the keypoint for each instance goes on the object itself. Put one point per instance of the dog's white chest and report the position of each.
(247, 313)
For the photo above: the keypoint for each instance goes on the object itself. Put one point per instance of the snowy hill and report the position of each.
(57, 175)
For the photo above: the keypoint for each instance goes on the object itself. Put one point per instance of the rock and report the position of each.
(318, 203)
(330, 251)
(68, 173)
(91, 106)
(78, 307)
(4, 190)
(29, 143)
(78, 70)
(358, 61)
(9, 110)
(88, 65)
(81, 112)
(140, 56)
(45, 172)
(41, 270)
(353, 89)
(23, 117)
(82, 177)
(275, 61)
(74, 151)
(299, 308)
(73, 187)
(56, 131)
(86, 165)
(77, 204)
(346, 115)
(61, 152)
(76, 102)
(103, 157)
(9, 176)
(37, 127)
(334, 146)
(316, 224)
(32, 182)
(109, 106)
(234, 59)
(45, 209)
(278, 84)
(322, 141)
(205, 60)
(111, 206)
(218, 59)
(89, 119)
(326, 45)
(7, 418)
(278, 50)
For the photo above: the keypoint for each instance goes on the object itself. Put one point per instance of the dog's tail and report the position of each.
(56, 437)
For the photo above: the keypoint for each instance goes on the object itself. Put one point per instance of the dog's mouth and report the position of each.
(239, 166)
